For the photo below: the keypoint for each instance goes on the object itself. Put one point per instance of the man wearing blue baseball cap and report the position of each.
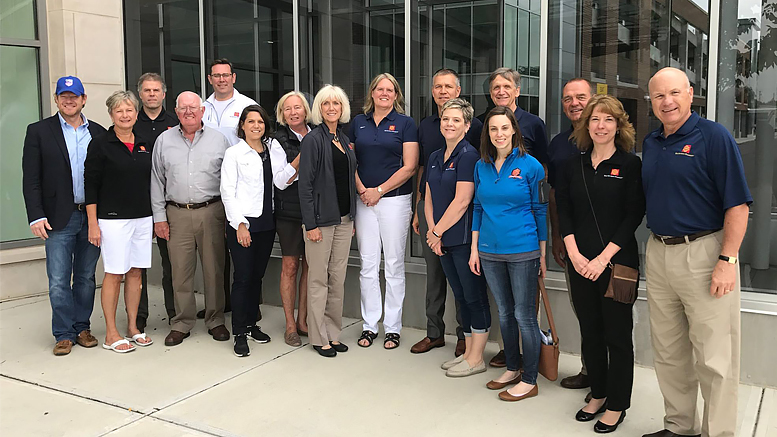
(53, 185)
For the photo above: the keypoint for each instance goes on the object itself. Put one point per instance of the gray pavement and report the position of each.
(200, 388)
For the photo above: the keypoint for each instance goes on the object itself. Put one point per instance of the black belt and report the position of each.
(195, 205)
(670, 241)
(79, 207)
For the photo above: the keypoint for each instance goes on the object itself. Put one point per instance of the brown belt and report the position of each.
(195, 205)
(671, 241)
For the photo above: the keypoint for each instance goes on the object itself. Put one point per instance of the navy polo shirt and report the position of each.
(560, 149)
(442, 178)
(533, 131)
(430, 139)
(379, 148)
(691, 178)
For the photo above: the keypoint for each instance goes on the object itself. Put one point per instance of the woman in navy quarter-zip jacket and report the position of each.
(508, 241)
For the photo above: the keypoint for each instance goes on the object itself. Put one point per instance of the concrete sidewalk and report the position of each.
(200, 388)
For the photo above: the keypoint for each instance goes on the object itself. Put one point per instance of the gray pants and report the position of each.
(436, 286)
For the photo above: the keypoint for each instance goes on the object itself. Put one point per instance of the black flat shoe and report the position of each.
(329, 353)
(602, 428)
(339, 347)
(584, 416)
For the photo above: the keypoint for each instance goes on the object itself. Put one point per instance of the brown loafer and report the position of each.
(292, 339)
(506, 396)
(499, 360)
(219, 333)
(496, 385)
(461, 347)
(576, 381)
(63, 347)
(86, 339)
(426, 344)
(175, 338)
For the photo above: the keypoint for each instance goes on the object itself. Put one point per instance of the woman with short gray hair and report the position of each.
(117, 178)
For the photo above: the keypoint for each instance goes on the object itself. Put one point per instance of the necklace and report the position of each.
(336, 139)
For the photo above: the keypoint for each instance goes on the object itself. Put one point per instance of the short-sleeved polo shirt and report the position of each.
(534, 137)
(443, 175)
(379, 149)
(560, 149)
(692, 177)
(430, 139)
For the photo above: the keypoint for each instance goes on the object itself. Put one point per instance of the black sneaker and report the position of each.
(241, 346)
(258, 336)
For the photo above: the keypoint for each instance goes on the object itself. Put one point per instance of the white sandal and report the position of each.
(118, 343)
(141, 336)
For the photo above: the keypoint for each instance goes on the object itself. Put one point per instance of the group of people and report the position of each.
(221, 178)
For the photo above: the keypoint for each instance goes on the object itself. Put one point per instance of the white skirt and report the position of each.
(126, 244)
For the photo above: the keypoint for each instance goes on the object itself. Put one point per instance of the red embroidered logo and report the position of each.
(687, 148)
(142, 148)
(237, 114)
(451, 166)
(615, 172)
(516, 174)
(350, 146)
(392, 127)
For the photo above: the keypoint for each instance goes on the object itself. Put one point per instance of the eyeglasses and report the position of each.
(185, 109)
(220, 75)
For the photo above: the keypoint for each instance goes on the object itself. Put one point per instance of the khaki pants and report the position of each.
(327, 264)
(696, 337)
(194, 231)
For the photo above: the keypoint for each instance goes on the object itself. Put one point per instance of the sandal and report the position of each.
(391, 337)
(369, 336)
(141, 336)
(118, 343)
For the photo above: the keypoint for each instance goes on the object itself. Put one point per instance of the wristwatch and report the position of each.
(728, 259)
(380, 190)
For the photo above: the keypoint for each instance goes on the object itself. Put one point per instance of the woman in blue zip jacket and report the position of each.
(448, 211)
(508, 244)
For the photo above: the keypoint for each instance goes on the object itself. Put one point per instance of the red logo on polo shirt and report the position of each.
(687, 148)
(615, 172)
(516, 174)
(237, 114)
(392, 127)
(142, 148)
(350, 146)
(451, 166)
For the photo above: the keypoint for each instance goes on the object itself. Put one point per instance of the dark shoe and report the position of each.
(667, 433)
(302, 333)
(496, 385)
(219, 333)
(602, 428)
(258, 336)
(461, 347)
(588, 397)
(329, 353)
(576, 381)
(339, 347)
(499, 360)
(63, 347)
(391, 337)
(367, 335)
(141, 324)
(201, 314)
(241, 346)
(175, 338)
(584, 416)
(426, 344)
(86, 339)
(506, 396)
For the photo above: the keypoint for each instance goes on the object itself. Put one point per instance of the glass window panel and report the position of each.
(17, 19)
(747, 106)
(19, 106)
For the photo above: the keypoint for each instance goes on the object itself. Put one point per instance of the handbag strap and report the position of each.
(590, 203)
(548, 312)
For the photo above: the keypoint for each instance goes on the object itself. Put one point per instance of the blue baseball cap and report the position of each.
(70, 83)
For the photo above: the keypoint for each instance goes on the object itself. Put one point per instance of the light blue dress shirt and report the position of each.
(77, 141)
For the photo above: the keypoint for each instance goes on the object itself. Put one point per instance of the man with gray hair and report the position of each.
(187, 209)
(153, 119)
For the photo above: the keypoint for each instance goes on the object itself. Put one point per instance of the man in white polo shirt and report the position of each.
(224, 106)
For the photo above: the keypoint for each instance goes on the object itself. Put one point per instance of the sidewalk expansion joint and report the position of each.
(758, 413)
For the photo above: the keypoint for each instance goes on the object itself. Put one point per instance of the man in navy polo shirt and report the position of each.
(697, 209)
(574, 98)
(445, 86)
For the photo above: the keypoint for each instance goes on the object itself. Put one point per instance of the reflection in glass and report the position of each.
(17, 19)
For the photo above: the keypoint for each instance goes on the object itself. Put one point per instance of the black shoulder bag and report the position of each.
(624, 279)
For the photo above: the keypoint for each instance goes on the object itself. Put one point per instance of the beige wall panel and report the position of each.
(99, 51)
(109, 8)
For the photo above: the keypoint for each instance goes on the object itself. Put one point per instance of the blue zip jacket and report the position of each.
(507, 208)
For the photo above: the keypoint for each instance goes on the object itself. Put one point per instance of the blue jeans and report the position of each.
(514, 285)
(69, 253)
(469, 289)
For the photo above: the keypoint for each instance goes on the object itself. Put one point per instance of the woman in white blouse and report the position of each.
(247, 193)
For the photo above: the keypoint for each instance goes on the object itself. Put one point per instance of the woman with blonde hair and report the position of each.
(386, 144)
(327, 194)
(600, 205)
(293, 116)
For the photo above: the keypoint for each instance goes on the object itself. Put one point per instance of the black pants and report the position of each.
(606, 327)
(250, 264)
(167, 284)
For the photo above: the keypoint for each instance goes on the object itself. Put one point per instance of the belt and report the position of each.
(195, 205)
(79, 207)
(670, 241)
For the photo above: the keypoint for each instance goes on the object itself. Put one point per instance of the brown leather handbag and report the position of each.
(549, 353)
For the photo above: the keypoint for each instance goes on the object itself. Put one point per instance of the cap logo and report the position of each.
(68, 82)
(615, 172)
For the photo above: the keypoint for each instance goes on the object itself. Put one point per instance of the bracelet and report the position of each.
(600, 262)
(435, 234)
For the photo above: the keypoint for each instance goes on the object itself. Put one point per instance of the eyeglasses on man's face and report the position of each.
(221, 75)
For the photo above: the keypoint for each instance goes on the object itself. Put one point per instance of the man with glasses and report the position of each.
(187, 209)
(53, 186)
